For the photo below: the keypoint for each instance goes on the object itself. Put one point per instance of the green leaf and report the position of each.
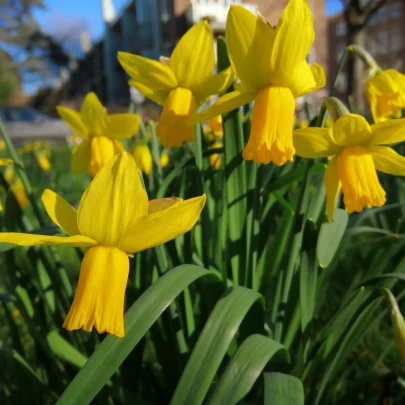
(330, 236)
(138, 320)
(64, 350)
(245, 368)
(213, 344)
(282, 389)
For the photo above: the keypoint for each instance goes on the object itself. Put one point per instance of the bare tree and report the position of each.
(357, 14)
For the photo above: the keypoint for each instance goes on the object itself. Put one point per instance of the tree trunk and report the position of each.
(355, 68)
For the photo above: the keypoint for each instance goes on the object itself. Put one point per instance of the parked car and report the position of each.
(25, 124)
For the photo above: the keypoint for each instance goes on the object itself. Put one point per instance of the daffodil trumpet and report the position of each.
(102, 133)
(181, 83)
(355, 151)
(114, 220)
(273, 71)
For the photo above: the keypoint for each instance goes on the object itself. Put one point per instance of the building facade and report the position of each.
(385, 33)
(152, 28)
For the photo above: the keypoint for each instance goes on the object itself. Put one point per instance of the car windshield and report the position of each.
(10, 114)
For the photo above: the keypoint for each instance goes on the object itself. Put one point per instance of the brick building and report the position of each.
(385, 35)
(152, 28)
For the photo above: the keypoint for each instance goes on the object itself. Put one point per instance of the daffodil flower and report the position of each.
(164, 159)
(5, 162)
(385, 92)
(356, 150)
(114, 220)
(180, 84)
(270, 62)
(16, 185)
(102, 133)
(143, 158)
(215, 158)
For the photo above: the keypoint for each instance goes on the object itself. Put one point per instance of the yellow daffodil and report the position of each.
(357, 151)
(43, 161)
(213, 129)
(143, 158)
(215, 159)
(385, 92)
(114, 220)
(180, 84)
(270, 62)
(164, 160)
(5, 162)
(102, 133)
(16, 185)
(2, 145)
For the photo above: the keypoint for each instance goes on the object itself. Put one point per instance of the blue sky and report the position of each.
(88, 12)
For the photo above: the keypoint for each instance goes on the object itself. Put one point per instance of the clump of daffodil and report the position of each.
(164, 159)
(143, 158)
(398, 321)
(101, 133)
(180, 84)
(16, 186)
(43, 160)
(114, 220)
(356, 150)
(271, 64)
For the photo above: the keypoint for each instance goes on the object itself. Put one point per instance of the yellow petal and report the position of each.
(270, 138)
(213, 84)
(360, 184)
(94, 115)
(162, 226)
(100, 294)
(122, 126)
(247, 36)
(314, 143)
(294, 38)
(29, 239)
(80, 157)
(351, 129)
(164, 159)
(150, 73)
(113, 199)
(332, 185)
(172, 127)
(73, 119)
(158, 96)
(227, 102)
(193, 57)
(102, 149)
(387, 160)
(161, 204)
(387, 132)
(307, 79)
(61, 212)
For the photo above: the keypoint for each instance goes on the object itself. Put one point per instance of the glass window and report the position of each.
(373, 19)
(396, 9)
(340, 48)
(383, 42)
(341, 28)
(395, 40)
(383, 14)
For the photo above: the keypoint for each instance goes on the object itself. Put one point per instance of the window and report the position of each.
(395, 40)
(340, 48)
(340, 28)
(383, 14)
(396, 9)
(371, 45)
(383, 42)
(373, 20)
